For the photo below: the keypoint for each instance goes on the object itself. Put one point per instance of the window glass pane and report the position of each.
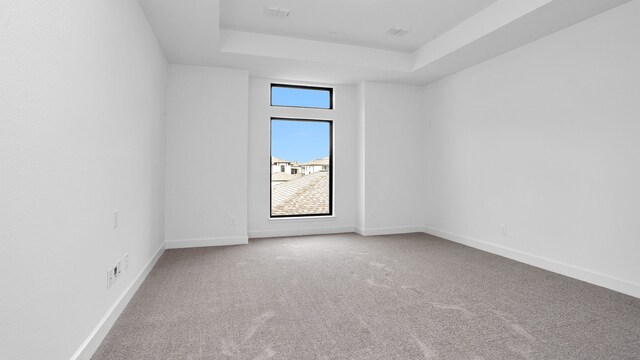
(301, 183)
(301, 97)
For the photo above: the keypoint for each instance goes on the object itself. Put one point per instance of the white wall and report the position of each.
(206, 171)
(390, 145)
(544, 139)
(81, 135)
(344, 116)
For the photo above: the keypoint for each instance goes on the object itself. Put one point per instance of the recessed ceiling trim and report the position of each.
(483, 23)
(188, 32)
(360, 23)
(240, 42)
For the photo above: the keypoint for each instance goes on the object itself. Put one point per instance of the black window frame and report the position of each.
(330, 213)
(305, 87)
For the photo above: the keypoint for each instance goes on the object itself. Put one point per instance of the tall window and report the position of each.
(304, 187)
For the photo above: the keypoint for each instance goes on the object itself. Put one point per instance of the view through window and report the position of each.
(301, 153)
(301, 96)
(301, 163)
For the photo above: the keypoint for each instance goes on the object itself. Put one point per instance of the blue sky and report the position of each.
(300, 141)
(286, 96)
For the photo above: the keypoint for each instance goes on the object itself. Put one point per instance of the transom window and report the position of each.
(301, 96)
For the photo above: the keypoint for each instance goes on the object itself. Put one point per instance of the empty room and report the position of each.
(337, 179)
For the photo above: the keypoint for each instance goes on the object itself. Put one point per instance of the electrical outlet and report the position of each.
(126, 262)
(503, 229)
(233, 222)
(116, 270)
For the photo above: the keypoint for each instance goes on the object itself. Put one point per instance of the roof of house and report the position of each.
(323, 161)
(305, 195)
(275, 160)
(280, 176)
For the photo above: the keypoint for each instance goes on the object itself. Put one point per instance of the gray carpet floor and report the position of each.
(345, 296)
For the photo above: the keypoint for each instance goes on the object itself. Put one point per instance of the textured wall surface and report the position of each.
(207, 154)
(392, 167)
(81, 136)
(544, 140)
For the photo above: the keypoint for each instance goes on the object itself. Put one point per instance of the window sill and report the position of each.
(304, 218)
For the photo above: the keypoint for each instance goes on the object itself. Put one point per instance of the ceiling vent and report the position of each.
(276, 12)
(396, 31)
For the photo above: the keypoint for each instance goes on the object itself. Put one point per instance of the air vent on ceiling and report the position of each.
(276, 12)
(396, 31)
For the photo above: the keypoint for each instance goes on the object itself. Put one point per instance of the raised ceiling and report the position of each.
(345, 41)
(354, 22)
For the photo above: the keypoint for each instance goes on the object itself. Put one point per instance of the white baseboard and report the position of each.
(204, 242)
(301, 232)
(388, 230)
(90, 345)
(576, 272)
